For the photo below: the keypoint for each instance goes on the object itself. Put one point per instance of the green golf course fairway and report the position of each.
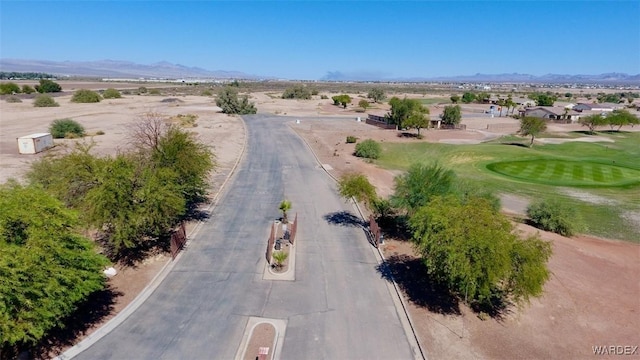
(567, 173)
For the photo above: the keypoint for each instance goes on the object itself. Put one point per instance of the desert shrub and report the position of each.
(99, 132)
(111, 93)
(230, 103)
(555, 216)
(48, 86)
(142, 90)
(9, 88)
(26, 89)
(351, 139)
(297, 92)
(368, 149)
(13, 99)
(188, 120)
(206, 93)
(126, 92)
(85, 96)
(324, 97)
(44, 101)
(154, 92)
(66, 128)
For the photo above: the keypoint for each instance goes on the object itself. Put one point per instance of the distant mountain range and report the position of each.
(118, 69)
(610, 78)
(166, 70)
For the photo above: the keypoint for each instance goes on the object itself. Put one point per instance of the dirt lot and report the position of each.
(593, 297)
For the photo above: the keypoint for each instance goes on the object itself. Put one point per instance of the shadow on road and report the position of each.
(411, 276)
(94, 310)
(344, 218)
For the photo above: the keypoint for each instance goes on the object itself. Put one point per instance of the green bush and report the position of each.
(28, 89)
(368, 149)
(555, 216)
(48, 86)
(9, 88)
(142, 90)
(154, 92)
(85, 96)
(351, 139)
(13, 99)
(66, 128)
(111, 93)
(297, 92)
(44, 101)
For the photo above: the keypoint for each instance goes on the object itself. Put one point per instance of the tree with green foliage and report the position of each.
(46, 268)
(454, 98)
(473, 250)
(608, 98)
(376, 94)
(543, 99)
(178, 151)
(368, 149)
(420, 184)
(357, 186)
(621, 118)
(9, 88)
(284, 207)
(418, 120)
(532, 126)
(66, 128)
(48, 86)
(85, 96)
(68, 177)
(229, 102)
(111, 93)
(131, 202)
(26, 89)
(555, 216)
(402, 109)
(364, 104)
(468, 97)
(297, 92)
(342, 100)
(451, 115)
(593, 121)
(482, 97)
(44, 101)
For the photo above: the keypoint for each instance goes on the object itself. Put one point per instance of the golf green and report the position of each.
(567, 173)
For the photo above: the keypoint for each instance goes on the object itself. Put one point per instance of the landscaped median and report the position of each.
(281, 251)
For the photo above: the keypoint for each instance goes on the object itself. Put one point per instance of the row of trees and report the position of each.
(45, 86)
(134, 198)
(464, 241)
(617, 118)
(15, 75)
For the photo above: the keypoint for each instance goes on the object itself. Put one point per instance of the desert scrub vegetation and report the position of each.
(297, 92)
(230, 103)
(13, 99)
(351, 139)
(44, 101)
(66, 128)
(368, 149)
(555, 216)
(111, 93)
(85, 96)
(9, 88)
(188, 120)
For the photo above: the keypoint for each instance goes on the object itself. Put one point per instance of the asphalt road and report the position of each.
(338, 307)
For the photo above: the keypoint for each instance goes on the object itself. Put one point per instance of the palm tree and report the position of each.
(285, 206)
(279, 257)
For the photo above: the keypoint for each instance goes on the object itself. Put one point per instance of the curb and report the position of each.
(398, 301)
(155, 282)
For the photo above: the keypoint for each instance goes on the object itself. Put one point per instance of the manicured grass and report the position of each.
(603, 170)
(567, 173)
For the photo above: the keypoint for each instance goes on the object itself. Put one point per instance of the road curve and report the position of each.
(338, 307)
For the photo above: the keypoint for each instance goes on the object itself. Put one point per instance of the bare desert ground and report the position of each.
(593, 297)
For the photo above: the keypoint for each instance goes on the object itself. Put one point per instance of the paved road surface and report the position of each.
(337, 308)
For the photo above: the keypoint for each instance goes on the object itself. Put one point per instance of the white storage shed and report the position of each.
(35, 143)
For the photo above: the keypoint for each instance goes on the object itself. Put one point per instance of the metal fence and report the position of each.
(178, 239)
(294, 230)
(270, 243)
(375, 231)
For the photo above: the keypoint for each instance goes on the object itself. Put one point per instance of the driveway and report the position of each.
(338, 307)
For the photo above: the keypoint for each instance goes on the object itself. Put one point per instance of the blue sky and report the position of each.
(305, 40)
